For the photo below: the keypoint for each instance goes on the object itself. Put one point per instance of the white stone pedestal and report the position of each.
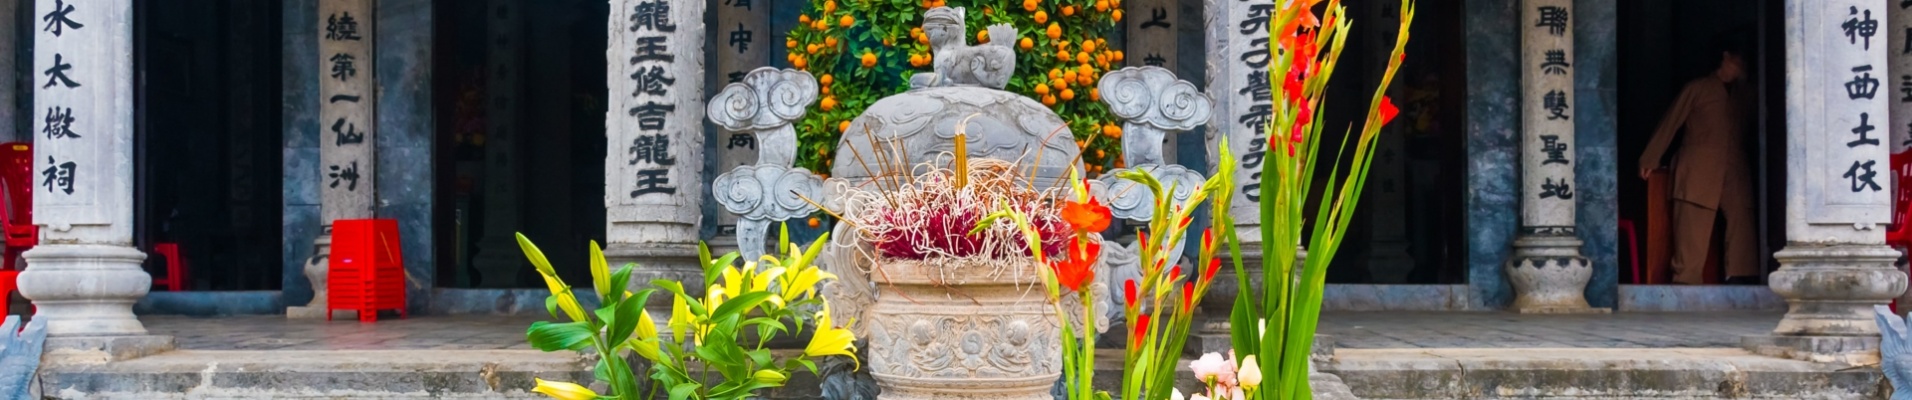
(316, 271)
(85, 293)
(1831, 291)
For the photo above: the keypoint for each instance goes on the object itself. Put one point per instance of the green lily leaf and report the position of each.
(552, 336)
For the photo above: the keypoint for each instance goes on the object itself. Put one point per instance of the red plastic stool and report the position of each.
(8, 282)
(175, 279)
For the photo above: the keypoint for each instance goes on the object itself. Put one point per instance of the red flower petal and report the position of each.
(1141, 329)
(1128, 292)
(1388, 111)
(1188, 296)
(1214, 265)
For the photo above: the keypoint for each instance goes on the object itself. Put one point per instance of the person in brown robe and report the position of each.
(1711, 175)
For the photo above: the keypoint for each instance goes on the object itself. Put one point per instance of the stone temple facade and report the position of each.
(1534, 98)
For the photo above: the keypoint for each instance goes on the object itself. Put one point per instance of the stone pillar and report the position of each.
(1835, 265)
(347, 131)
(8, 42)
(743, 45)
(1236, 56)
(1151, 33)
(654, 166)
(85, 273)
(499, 260)
(1546, 269)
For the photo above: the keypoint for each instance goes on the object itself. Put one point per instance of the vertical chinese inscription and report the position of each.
(1547, 131)
(1849, 93)
(81, 81)
(744, 44)
(655, 125)
(347, 129)
(65, 94)
(1151, 33)
(1239, 81)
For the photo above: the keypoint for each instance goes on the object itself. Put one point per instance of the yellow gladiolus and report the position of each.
(564, 390)
(830, 340)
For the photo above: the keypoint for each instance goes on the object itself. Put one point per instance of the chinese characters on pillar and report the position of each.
(1151, 33)
(1849, 107)
(1547, 112)
(346, 124)
(1254, 104)
(64, 87)
(745, 41)
(657, 84)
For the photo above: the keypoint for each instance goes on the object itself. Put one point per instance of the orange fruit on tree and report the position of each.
(844, 126)
(846, 21)
(1049, 101)
(1068, 94)
(1118, 56)
(1055, 73)
(830, 41)
(1027, 44)
(1068, 11)
(1116, 15)
(798, 62)
(792, 43)
(826, 79)
(1095, 94)
(1042, 89)
(826, 90)
(1099, 153)
(829, 6)
(820, 25)
(1030, 5)
(982, 37)
(1054, 31)
(813, 222)
(1112, 131)
(828, 103)
(1042, 17)
(1102, 5)
(805, 19)
(812, 48)
(869, 59)
(1062, 55)
(1088, 45)
(1070, 76)
(916, 60)
(1060, 84)
(1082, 57)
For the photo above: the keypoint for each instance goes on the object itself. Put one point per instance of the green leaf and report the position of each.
(620, 280)
(550, 336)
(551, 306)
(625, 319)
(740, 305)
(759, 356)
(683, 390)
(677, 289)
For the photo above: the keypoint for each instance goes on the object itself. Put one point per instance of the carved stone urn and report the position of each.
(946, 329)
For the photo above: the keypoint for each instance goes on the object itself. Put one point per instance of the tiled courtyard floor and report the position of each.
(1361, 330)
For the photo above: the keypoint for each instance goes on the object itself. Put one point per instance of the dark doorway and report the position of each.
(1662, 46)
(1409, 227)
(521, 145)
(208, 136)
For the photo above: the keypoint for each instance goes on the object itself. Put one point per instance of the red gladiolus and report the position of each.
(1188, 296)
(1086, 217)
(1292, 85)
(1175, 273)
(1141, 328)
(1208, 238)
(1077, 268)
(1128, 292)
(1388, 111)
(1214, 265)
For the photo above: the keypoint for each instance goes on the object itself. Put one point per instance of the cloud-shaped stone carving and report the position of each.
(765, 99)
(767, 192)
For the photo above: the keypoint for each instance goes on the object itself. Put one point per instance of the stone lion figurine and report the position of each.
(956, 63)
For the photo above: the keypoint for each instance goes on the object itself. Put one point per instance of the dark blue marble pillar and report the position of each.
(1493, 141)
(405, 133)
(300, 76)
(1595, 169)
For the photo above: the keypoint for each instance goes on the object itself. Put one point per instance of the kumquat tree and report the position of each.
(864, 50)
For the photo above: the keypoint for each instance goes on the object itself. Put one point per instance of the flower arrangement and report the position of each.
(1155, 343)
(873, 46)
(769, 298)
(1290, 298)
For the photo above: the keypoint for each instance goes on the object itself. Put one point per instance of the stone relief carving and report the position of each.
(1152, 104)
(764, 103)
(957, 63)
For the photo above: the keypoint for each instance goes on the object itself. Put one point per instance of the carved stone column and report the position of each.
(1546, 269)
(347, 132)
(1153, 104)
(1899, 20)
(763, 105)
(1835, 265)
(8, 70)
(499, 260)
(85, 274)
(743, 42)
(1237, 57)
(654, 166)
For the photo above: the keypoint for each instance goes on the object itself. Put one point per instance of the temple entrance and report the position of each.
(1409, 227)
(520, 139)
(1667, 45)
(209, 143)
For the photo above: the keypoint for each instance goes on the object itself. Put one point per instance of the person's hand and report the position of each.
(1647, 172)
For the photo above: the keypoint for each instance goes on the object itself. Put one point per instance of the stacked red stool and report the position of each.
(367, 271)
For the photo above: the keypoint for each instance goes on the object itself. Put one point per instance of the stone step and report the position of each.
(290, 374)
(1667, 373)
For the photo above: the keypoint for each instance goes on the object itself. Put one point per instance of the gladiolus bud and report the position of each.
(1214, 265)
(1188, 295)
(1128, 292)
(1175, 273)
(1250, 373)
(1208, 238)
(1141, 328)
(1388, 111)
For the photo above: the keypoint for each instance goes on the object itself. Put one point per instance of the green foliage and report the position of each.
(769, 297)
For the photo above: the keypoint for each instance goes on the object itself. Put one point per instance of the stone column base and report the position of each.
(103, 349)
(1831, 288)
(318, 272)
(1549, 276)
(1847, 350)
(659, 261)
